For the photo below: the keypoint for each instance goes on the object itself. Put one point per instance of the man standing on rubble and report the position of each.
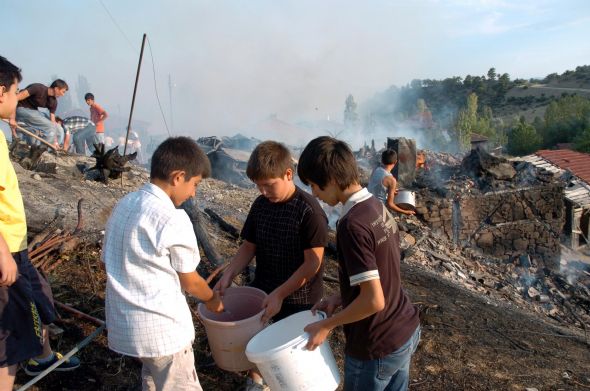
(26, 302)
(32, 98)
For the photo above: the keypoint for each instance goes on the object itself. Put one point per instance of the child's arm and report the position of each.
(102, 113)
(369, 301)
(239, 262)
(193, 284)
(8, 268)
(391, 184)
(312, 260)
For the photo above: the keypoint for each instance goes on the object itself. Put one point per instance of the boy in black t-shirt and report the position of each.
(286, 230)
(380, 323)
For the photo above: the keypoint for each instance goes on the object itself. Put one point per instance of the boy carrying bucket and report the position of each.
(381, 325)
(286, 230)
(151, 255)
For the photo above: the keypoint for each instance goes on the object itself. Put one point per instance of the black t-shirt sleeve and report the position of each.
(314, 230)
(249, 228)
(52, 104)
(358, 253)
(35, 89)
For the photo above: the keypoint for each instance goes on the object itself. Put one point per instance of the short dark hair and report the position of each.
(8, 73)
(270, 159)
(59, 83)
(389, 156)
(89, 95)
(327, 159)
(179, 153)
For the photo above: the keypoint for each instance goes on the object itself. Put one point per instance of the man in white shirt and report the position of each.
(151, 254)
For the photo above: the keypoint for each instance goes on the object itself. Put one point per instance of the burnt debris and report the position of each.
(110, 164)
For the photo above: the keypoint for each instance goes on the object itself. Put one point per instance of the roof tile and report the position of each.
(576, 162)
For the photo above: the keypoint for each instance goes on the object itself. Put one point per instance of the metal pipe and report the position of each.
(76, 348)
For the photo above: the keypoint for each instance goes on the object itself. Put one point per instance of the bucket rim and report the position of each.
(269, 355)
(224, 324)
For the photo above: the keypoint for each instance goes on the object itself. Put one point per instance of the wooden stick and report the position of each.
(78, 313)
(33, 135)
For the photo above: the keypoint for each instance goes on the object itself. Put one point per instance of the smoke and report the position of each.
(233, 64)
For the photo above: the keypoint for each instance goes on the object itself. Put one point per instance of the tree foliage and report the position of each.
(523, 139)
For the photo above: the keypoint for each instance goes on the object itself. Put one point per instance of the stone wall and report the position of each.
(504, 224)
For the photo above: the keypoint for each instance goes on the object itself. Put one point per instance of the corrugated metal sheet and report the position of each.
(576, 162)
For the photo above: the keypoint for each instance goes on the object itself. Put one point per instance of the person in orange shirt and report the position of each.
(97, 115)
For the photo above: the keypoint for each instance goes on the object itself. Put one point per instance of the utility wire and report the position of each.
(156, 87)
(151, 55)
(118, 27)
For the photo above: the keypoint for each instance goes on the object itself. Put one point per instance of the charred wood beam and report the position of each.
(224, 225)
(191, 208)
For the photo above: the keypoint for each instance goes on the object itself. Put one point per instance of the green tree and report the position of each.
(565, 119)
(492, 74)
(582, 140)
(523, 139)
(466, 122)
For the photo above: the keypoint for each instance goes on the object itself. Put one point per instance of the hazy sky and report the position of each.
(233, 63)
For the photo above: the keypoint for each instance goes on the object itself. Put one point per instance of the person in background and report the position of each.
(381, 325)
(26, 302)
(83, 133)
(383, 185)
(32, 98)
(97, 115)
(286, 230)
(150, 253)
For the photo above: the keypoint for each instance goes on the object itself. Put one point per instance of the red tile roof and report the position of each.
(576, 162)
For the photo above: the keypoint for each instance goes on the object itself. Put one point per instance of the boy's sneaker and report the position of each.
(34, 367)
(251, 385)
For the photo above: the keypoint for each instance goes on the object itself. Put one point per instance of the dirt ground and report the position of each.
(470, 341)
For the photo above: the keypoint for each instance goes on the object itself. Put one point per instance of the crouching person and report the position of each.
(381, 325)
(151, 255)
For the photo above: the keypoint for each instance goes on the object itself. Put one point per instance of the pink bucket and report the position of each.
(230, 331)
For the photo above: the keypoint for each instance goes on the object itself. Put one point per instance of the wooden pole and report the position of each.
(33, 135)
(134, 92)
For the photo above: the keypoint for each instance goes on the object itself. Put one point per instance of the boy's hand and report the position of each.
(12, 123)
(8, 270)
(317, 334)
(223, 283)
(272, 305)
(328, 305)
(215, 304)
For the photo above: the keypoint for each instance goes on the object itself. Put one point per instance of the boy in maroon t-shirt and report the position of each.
(381, 325)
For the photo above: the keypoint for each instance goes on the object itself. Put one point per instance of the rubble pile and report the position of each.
(562, 295)
(501, 208)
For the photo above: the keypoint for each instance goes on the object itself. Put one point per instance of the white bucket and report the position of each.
(285, 364)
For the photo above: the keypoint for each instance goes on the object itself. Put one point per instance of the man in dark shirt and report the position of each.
(287, 230)
(380, 323)
(32, 98)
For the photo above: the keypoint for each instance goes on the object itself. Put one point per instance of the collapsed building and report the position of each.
(574, 168)
(229, 157)
(507, 209)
